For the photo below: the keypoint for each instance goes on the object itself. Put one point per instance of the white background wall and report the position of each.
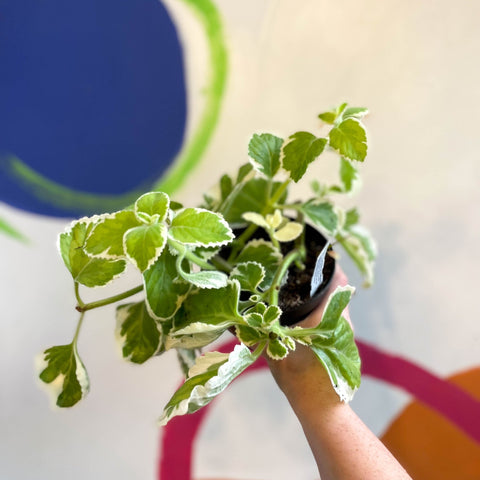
(415, 65)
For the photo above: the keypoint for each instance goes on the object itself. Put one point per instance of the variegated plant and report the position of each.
(194, 291)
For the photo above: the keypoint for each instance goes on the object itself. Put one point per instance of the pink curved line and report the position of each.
(450, 401)
(447, 399)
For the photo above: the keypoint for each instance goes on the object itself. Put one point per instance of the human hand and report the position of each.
(301, 375)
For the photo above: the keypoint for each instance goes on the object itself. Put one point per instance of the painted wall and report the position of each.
(68, 139)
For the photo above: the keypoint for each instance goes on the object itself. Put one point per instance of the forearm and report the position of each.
(343, 447)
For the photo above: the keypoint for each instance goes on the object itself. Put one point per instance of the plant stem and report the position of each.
(274, 289)
(183, 250)
(83, 307)
(79, 326)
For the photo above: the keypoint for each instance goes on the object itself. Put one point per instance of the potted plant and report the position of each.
(229, 264)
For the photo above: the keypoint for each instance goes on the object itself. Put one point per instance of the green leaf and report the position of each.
(348, 175)
(226, 186)
(189, 341)
(65, 374)
(334, 345)
(321, 214)
(248, 335)
(302, 150)
(264, 253)
(264, 150)
(143, 245)
(271, 315)
(215, 307)
(276, 349)
(106, 238)
(153, 204)
(250, 196)
(212, 375)
(352, 217)
(328, 117)
(350, 139)
(243, 171)
(137, 332)
(91, 272)
(164, 288)
(361, 247)
(208, 279)
(199, 227)
(355, 112)
(249, 274)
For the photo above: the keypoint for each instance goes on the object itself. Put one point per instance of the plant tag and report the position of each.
(317, 277)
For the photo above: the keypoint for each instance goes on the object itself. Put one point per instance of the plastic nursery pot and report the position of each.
(294, 296)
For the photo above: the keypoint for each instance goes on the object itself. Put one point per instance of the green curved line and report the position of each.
(11, 231)
(190, 155)
(56, 194)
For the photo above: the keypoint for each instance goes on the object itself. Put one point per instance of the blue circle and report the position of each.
(92, 96)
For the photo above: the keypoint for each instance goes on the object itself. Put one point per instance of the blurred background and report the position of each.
(103, 100)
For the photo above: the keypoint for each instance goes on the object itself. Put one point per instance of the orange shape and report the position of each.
(429, 446)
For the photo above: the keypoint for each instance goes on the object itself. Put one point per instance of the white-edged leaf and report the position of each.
(208, 279)
(276, 349)
(137, 332)
(249, 274)
(355, 112)
(265, 253)
(199, 227)
(164, 288)
(256, 219)
(199, 327)
(192, 341)
(153, 204)
(322, 215)
(64, 374)
(87, 270)
(106, 238)
(201, 389)
(264, 150)
(143, 245)
(289, 232)
(349, 139)
(317, 277)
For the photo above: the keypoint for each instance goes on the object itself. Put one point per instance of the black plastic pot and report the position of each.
(298, 282)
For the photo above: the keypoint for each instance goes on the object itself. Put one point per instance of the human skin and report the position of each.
(343, 446)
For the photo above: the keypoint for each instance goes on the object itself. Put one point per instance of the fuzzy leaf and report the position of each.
(264, 150)
(145, 244)
(302, 150)
(65, 374)
(250, 196)
(350, 139)
(137, 332)
(106, 238)
(215, 307)
(164, 288)
(202, 388)
(276, 349)
(91, 272)
(337, 350)
(199, 227)
(153, 204)
(249, 274)
(263, 252)
(322, 215)
(289, 232)
(207, 279)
